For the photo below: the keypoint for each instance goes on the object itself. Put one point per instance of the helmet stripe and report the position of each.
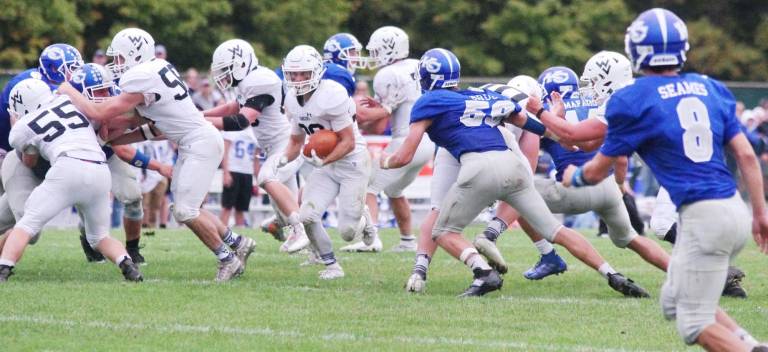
(447, 58)
(662, 25)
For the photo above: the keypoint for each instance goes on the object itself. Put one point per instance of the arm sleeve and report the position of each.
(731, 124)
(424, 109)
(625, 132)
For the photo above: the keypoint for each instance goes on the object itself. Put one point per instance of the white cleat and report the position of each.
(297, 239)
(405, 246)
(312, 258)
(245, 249)
(416, 284)
(331, 272)
(376, 246)
(370, 231)
(489, 250)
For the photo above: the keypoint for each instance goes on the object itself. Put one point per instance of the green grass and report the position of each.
(58, 302)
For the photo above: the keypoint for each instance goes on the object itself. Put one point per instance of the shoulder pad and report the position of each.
(137, 81)
(331, 97)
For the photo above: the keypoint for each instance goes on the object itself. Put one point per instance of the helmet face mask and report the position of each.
(58, 61)
(345, 50)
(303, 59)
(94, 82)
(604, 73)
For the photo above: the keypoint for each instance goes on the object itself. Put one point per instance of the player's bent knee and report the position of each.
(308, 215)
(134, 210)
(183, 214)
(348, 231)
(622, 241)
(690, 329)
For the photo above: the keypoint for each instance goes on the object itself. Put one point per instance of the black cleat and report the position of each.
(626, 286)
(5, 272)
(136, 256)
(760, 348)
(733, 283)
(130, 270)
(92, 255)
(485, 281)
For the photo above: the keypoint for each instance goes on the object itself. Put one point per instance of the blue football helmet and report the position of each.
(58, 61)
(345, 50)
(94, 81)
(657, 38)
(438, 68)
(559, 79)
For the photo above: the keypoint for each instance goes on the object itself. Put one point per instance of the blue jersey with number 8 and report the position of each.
(679, 126)
(464, 121)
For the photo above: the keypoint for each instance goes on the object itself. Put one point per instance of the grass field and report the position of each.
(58, 302)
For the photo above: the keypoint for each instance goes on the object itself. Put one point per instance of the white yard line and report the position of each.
(268, 332)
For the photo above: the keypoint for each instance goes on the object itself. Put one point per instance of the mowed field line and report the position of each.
(331, 337)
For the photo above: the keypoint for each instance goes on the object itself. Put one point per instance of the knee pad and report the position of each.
(94, 240)
(349, 231)
(134, 210)
(308, 215)
(393, 193)
(183, 214)
(690, 328)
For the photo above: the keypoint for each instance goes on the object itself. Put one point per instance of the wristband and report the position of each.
(577, 180)
(541, 111)
(534, 126)
(140, 160)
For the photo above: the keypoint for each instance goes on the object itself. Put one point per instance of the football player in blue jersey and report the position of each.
(345, 50)
(680, 125)
(464, 122)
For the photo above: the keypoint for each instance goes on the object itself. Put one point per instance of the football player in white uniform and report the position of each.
(154, 88)
(259, 93)
(314, 104)
(396, 91)
(55, 130)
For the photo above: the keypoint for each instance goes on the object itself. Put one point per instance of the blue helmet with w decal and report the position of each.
(559, 79)
(439, 68)
(657, 38)
(58, 61)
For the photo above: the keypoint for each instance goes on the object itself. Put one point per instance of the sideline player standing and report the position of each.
(680, 129)
(154, 88)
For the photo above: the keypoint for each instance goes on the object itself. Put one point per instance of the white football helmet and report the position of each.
(387, 45)
(232, 60)
(527, 85)
(129, 47)
(28, 96)
(604, 73)
(303, 58)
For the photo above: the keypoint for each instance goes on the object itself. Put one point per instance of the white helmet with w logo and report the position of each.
(604, 73)
(232, 61)
(130, 47)
(387, 45)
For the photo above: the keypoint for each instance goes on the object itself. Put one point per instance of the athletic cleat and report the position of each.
(760, 348)
(5, 272)
(130, 270)
(331, 272)
(136, 256)
(404, 246)
(91, 255)
(733, 283)
(626, 286)
(362, 247)
(489, 250)
(229, 269)
(416, 284)
(244, 249)
(370, 232)
(272, 226)
(549, 264)
(297, 239)
(312, 258)
(488, 282)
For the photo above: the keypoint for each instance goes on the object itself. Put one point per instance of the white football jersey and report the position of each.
(329, 108)
(272, 126)
(515, 95)
(397, 89)
(166, 98)
(56, 128)
(242, 150)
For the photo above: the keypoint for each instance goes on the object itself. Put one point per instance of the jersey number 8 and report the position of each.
(697, 138)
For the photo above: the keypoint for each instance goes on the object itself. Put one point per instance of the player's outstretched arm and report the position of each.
(590, 173)
(404, 154)
(752, 177)
(369, 110)
(138, 159)
(222, 110)
(121, 104)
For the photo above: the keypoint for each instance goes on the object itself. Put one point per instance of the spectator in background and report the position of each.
(154, 185)
(99, 57)
(160, 52)
(206, 97)
(192, 80)
(238, 167)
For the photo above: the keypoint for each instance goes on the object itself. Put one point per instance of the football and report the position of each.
(322, 142)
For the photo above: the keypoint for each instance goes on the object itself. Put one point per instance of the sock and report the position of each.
(328, 259)
(544, 246)
(293, 219)
(132, 244)
(7, 262)
(474, 260)
(606, 269)
(671, 235)
(421, 265)
(121, 259)
(231, 238)
(407, 238)
(494, 229)
(746, 337)
(223, 253)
